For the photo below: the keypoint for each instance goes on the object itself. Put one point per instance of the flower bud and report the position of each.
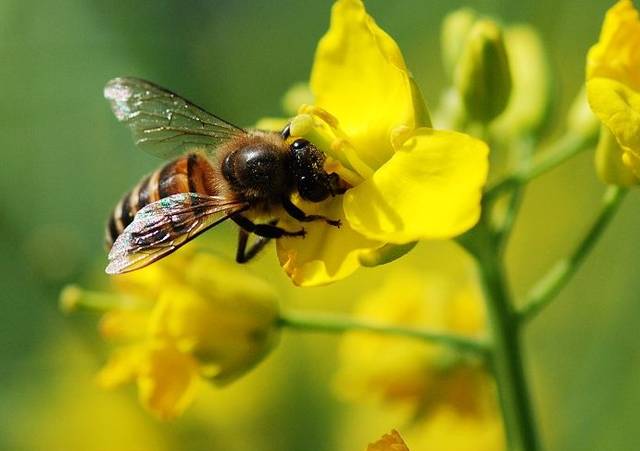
(529, 105)
(455, 30)
(581, 119)
(482, 75)
(610, 166)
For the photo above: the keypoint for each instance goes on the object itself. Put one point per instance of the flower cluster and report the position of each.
(191, 317)
(188, 317)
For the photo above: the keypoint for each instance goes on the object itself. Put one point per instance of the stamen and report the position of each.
(399, 135)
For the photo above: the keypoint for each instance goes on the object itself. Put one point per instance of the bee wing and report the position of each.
(163, 123)
(163, 226)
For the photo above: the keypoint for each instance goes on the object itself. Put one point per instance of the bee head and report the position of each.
(312, 182)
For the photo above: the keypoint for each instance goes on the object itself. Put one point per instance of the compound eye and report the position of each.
(299, 144)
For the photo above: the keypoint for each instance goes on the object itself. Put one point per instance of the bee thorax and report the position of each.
(257, 172)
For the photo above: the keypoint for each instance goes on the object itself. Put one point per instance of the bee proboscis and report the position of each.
(218, 171)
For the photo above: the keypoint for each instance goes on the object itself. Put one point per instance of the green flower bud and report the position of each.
(581, 119)
(529, 105)
(482, 76)
(455, 30)
(609, 162)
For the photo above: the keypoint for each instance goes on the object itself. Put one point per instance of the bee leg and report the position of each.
(243, 255)
(264, 230)
(301, 216)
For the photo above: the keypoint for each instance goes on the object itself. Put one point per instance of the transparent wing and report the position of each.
(163, 226)
(163, 123)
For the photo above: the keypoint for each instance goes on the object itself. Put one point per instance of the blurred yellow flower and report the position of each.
(613, 80)
(445, 392)
(447, 429)
(397, 369)
(389, 442)
(190, 316)
(407, 182)
(70, 416)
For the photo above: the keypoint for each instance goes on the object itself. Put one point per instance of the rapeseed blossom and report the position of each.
(189, 317)
(613, 90)
(407, 181)
(451, 397)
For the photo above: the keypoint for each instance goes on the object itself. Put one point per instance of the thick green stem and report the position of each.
(548, 287)
(506, 348)
(323, 322)
(507, 361)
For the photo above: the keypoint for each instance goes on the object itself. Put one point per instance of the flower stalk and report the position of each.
(506, 322)
(506, 349)
(334, 323)
(565, 148)
(550, 285)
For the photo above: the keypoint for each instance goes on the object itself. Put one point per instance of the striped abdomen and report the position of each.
(190, 173)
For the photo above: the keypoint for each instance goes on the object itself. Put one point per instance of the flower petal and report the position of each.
(327, 253)
(618, 107)
(229, 331)
(359, 76)
(124, 324)
(166, 380)
(430, 188)
(609, 161)
(617, 53)
(121, 367)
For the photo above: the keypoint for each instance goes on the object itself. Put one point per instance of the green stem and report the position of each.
(330, 323)
(548, 287)
(562, 150)
(506, 356)
(523, 155)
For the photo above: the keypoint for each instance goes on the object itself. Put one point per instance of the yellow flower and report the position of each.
(613, 80)
(449, 430)
(407, 182)
(405, 370)
(451, 397)
(188, 317)
(72, 416)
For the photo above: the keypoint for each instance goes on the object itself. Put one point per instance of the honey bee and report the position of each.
(218, 171)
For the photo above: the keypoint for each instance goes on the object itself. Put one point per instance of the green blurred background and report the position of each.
(65, 161)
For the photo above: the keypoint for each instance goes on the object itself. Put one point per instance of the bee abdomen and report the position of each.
(189, 173)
